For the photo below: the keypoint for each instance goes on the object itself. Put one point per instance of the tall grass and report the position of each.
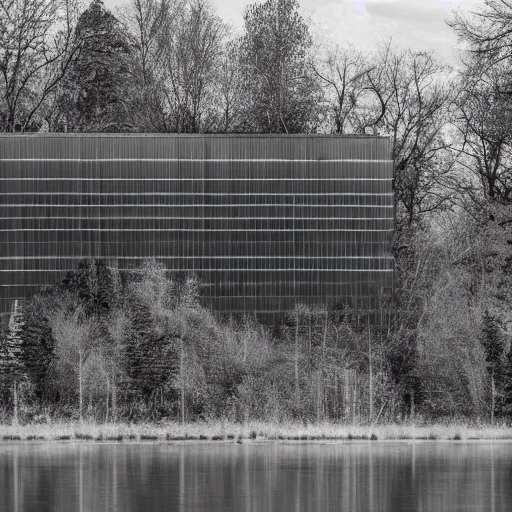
(250, 432)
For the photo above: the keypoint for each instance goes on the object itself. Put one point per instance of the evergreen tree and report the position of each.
(39, 344)
(94, 95)
(95, 284)
(494, 344)
(151, 344)
(12, 370)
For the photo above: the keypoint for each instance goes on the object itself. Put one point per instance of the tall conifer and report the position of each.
(12, 369)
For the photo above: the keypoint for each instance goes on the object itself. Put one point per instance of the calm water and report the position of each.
(349, 477)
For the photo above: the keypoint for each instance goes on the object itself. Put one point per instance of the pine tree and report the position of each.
(12, 370)
(94, 97)
(94, 283)
(151, 344)
(38, 341)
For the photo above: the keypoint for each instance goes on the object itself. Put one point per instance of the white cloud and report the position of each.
(418, 24)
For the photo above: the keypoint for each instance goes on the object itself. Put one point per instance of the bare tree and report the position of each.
(484, 104)
(412, 107)
(484, 126)
(147, 22)
(37, 45)
(402, 94)
(230, 87)
(73, 333)
(192, 53)
(487, 30)
(187, 304)
(483, 123)
(344, 74)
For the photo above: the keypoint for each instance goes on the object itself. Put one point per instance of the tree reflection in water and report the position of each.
(357, 476)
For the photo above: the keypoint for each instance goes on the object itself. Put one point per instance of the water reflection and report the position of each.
(349, 477)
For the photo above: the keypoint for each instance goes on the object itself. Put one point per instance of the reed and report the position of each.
(252, 431)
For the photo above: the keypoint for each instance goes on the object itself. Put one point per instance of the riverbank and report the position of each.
(252, 431)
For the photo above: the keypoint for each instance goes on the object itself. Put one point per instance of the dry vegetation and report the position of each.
(251, 431)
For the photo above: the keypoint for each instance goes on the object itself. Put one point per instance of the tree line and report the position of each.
(155, 66)
(140, 345)
(175, 66)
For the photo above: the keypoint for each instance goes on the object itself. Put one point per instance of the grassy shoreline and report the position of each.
(252, 431)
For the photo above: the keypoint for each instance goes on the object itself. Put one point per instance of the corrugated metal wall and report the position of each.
(266, 221)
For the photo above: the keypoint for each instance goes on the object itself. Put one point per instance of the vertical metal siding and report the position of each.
(266, 221)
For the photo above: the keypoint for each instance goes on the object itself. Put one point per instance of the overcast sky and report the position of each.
(419, 24)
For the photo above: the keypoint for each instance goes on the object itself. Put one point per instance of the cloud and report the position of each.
(419, 24)
(405, 11)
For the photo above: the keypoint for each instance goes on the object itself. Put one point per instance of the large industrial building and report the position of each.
(265, 221)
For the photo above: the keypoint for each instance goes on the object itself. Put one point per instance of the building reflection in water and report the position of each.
(360, 476)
